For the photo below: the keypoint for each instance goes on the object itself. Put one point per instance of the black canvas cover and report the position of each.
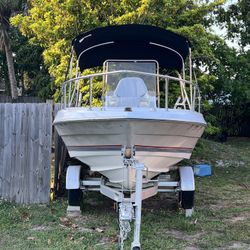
(131, 41)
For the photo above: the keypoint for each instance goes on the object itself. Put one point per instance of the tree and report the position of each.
(53, 24)
(229, 75)
(236, 20)
(226, 89)
(31, 73)
(7, 8)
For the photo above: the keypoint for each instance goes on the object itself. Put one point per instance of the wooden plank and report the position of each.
(29, 156)
(30, 170)
(48, 143)
(41, 157)
(6, 146)
(2, 111)
(23, 154)
(35, 151)
(15, 163)
(7, 157)
(44, 153)
(47, 136)
(10, 169)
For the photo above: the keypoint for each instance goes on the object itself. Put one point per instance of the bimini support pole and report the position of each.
(138, 202)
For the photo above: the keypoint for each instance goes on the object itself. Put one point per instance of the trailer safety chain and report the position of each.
(125, 229)
(126, 214)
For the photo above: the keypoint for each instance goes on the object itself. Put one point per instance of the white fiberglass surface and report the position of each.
(83, 114)
(127, 89)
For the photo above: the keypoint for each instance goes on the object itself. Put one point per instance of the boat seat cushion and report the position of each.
(130, 90)
(131, 87)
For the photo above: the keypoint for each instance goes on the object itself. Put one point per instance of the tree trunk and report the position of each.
(10, 64)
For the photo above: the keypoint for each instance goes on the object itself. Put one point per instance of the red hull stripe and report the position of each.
(163, 149)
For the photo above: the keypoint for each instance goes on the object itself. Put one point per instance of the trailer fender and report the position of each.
(73, 177)
(186, 178)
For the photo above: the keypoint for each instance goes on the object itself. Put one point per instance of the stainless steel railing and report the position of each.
(189, 98)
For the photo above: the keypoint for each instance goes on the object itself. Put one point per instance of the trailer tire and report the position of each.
(74, 197)
(186, 199)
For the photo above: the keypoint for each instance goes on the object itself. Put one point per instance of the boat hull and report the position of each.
(160, 139)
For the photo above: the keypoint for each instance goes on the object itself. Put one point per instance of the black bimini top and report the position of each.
(131, 41)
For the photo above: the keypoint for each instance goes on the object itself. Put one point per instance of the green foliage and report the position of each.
(231, 93)
(31, 73)
(236, 19)
(53, 24)
(211, 130)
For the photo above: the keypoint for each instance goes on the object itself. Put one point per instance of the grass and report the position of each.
(221, 219)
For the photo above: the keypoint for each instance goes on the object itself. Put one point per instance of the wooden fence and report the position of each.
(25, 152)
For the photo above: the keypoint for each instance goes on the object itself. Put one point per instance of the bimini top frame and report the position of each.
(125, 43)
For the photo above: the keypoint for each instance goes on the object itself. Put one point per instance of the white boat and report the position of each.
(158, 138)
(143, 117)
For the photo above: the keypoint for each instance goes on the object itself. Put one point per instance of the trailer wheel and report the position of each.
(73, 178)
(186, 199)
(74, 197)
(187, 186)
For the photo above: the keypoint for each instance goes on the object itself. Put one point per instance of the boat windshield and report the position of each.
(131, 89)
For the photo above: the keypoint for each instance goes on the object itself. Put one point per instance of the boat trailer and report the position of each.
(129, 207)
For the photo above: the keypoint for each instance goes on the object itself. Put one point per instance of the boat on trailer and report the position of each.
(144, 123)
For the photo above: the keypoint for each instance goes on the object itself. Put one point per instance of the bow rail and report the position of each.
(188, 98)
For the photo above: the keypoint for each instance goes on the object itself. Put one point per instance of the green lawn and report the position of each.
(221, 219)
